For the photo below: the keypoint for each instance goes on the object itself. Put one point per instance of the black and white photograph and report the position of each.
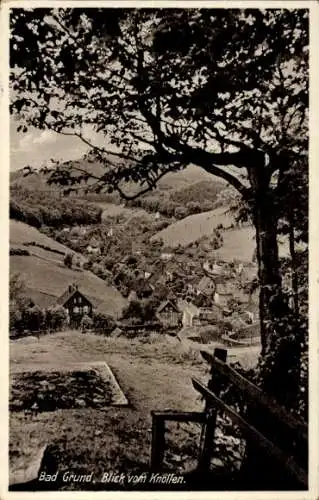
(158, 270)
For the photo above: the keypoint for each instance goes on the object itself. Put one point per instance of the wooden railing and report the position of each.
(274, 432)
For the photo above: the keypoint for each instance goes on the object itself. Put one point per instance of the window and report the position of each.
(86, 309)
(75, 309)
(80, 300)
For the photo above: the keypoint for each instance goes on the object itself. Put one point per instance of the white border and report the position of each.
(313, 492)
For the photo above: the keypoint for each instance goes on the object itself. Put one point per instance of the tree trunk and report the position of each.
(265, 221)
(294, 279)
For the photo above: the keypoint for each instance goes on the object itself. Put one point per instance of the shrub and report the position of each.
(180, 212)
(193, 207)
(33, 318)
(15, 319)
(86, 323)
(19, 251)
(56, 318)
(68, 260)
(45, 247)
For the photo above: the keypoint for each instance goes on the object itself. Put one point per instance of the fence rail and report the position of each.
(287, 447)
(256, 395)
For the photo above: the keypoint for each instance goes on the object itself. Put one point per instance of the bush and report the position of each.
(33, 318)
(45, 247)
(180, 212)
(193, 207)
(19, 251)
(68, 260)
(102, 323)
(15, 319)
(140, 311)
(56, 318)
(86, 323)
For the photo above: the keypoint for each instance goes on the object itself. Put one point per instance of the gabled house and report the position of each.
(169, 314)
(207, 316)
(76, 304)
(224, 292)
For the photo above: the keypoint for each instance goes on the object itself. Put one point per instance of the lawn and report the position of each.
(154, 374)
(238, 244)
(21, 233)
(193, 227)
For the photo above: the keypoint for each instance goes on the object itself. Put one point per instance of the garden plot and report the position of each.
(81, 385)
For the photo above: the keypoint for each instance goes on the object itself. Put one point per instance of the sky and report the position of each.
(37, 147)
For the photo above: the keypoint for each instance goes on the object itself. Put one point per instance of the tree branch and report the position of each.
(149, 188)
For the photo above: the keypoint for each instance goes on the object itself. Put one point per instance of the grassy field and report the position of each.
(193, 227)
(53, 278)
(21, 233)
(44, 272)
(154, 375)
(238, 244)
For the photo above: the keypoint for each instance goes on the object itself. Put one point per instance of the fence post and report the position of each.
(158, 442)
(208, 430)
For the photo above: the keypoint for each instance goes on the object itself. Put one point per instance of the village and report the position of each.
(170, 292)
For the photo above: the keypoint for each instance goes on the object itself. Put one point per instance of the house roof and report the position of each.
(165, 303)
(226, 288)
(68, 294)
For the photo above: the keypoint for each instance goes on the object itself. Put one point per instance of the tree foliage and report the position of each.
(103, 323)
(183, 83)
(41, 209)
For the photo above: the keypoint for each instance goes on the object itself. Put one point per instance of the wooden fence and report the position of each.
(279, 440)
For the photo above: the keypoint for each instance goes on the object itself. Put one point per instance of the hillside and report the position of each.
(46, 277)
(193, 227)
(21, 233)
(238, 244)
(172, 181)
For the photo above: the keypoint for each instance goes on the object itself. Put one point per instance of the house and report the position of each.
(93, 247)
(224, 292)
(132, 296)
(216, 268)
(206, 286)
(169, 314)
(166, 256)
(207, 316)
(76, 304)
(189, 311)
